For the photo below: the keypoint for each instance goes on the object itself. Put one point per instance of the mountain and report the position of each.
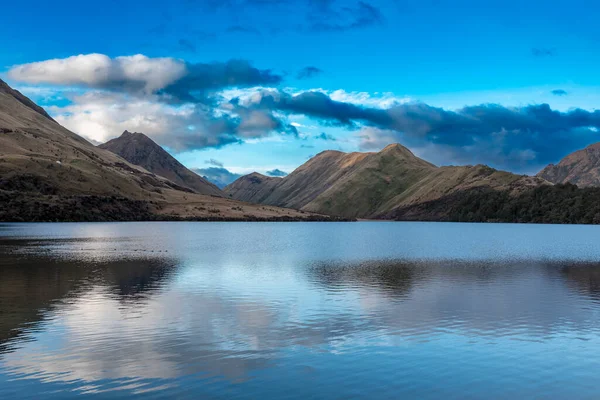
(48, 173)
(252, 188)
(139, 149)
(9, 93)
(581, 168)
(371, 185)
(35, 149)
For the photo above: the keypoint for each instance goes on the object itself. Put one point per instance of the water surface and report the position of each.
(299, 310)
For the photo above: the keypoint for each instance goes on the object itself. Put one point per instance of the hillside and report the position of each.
(372, 185)
(252, 188)
(581, 168)
(37, 153)
(48, 173)
(139, 149)
(556, 204)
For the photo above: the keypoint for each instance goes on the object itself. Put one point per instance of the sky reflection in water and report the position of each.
(295, 310)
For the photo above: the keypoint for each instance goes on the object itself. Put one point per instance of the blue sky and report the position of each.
(421, 62)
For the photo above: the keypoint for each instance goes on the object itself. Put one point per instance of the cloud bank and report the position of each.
(130, 73)
(188, 106)
(139, 74)
(515, 138)
(175, 102)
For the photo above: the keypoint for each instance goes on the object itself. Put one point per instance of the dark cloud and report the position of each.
(208, 127)
(326, 136)
(319, 105)
(308, 72)
(559, 92)
(202, 77)
(515, 138)
(325, 17)
(243, 29)
(214, 162)
(210, 131)
(276, 172)
(543, 52)
(255, 122)
(188, 142)
(218, 175)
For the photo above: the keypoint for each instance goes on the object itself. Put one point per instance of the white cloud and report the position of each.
(100, 116)
(366, 99)
(139, 72)
(245, 95)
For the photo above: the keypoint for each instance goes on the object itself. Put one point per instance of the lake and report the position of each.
(359, 310)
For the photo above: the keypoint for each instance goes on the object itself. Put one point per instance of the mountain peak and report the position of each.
(257, 174)
(136, 135)
(397, 147)
(403, 154)
(141, 150)
(392, 146)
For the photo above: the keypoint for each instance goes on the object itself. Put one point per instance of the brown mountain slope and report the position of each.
(49, 173)
(311, 179)
(301, 186)
(581, 168)
(253, 188)
(34, 148)
(16, 95)
(371, 185)
(139, 149)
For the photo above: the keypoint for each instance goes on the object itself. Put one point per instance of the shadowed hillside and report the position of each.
(557, 204)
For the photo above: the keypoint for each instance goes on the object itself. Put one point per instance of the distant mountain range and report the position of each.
(48, 173)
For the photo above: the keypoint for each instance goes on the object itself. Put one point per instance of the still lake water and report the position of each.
(299, 310)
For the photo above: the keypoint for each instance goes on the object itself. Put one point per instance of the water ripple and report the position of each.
(298, 311)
